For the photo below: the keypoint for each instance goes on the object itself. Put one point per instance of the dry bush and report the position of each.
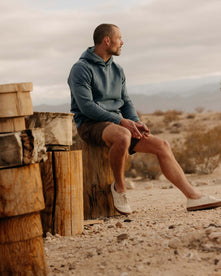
(199, 109)
(171, 115)
(200, 152)
(190, 116)
(144, 165)
(175, 128)
(158, 113)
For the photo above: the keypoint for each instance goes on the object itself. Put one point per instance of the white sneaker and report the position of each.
(120, 201)
(205, 202)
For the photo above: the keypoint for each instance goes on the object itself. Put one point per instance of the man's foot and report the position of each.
(120, 201)
(205, 202)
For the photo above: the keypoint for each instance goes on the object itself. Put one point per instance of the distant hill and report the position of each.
(185, 95)
(148, 104)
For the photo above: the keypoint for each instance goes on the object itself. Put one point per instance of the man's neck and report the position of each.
(102, 53)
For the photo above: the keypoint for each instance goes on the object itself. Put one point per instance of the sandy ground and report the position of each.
(159, 238)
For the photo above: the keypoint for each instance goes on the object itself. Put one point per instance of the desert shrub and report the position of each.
(199, 109)
(175, 128)
(190, 116)
(158, 113)
(145, 166)
(200, 152)
(171, 115)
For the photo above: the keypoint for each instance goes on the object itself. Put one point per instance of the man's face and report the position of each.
(115, 43)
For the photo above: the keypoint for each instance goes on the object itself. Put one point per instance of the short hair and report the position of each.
(101, 31)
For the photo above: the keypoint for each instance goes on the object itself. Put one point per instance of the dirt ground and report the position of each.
(159, 238)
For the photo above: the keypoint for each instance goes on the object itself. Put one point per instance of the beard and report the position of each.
(114, 51)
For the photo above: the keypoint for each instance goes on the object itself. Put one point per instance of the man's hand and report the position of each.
(137, 129)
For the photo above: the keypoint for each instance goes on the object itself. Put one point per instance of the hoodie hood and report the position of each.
(91, 57)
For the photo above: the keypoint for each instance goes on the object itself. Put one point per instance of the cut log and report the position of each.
(21, 191)
(21, 246)
(15, 103)
(58, 126)
(62, 179)
(25, 147)
(97, 178)
(12, 124)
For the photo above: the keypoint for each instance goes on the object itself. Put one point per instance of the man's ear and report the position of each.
(107, 40)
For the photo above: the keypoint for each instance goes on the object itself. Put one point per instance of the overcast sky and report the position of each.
(163, 40)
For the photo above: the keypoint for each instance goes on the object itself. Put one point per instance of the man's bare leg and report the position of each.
(169, 166)
(117, 138)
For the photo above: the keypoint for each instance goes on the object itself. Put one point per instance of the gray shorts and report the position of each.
(91, 132)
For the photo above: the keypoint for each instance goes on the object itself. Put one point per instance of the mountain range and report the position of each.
(183, 95)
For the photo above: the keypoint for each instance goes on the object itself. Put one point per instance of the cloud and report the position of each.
(164, 40)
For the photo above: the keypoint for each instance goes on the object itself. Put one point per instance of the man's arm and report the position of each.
(80, 85)
(130, 118)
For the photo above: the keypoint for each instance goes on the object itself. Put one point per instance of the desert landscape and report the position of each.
(160, 237)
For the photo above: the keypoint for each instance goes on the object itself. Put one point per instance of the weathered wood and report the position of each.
(15, 104)
(20, 191)
(47, 215)
(68, 218)
(97, 178)
(25, 147)
(58, 126)
(12, 124)
(76, 183)
(21, 246)
(33, 141)
(58, 148)
(16, 87)
(11, 150)
(62, 179)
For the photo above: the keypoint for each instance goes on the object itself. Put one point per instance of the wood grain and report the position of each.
(49, 193)
(12, 124)
(21, 246)
(97, 178)
(20, 191)
(14, 87)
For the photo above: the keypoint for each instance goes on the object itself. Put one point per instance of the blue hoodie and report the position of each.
(98, 90)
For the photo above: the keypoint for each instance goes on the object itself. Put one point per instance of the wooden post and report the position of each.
(21, 244)
(62, 179)
(97, 178)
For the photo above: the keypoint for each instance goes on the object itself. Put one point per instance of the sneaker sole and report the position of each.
(122, 213)
(205, 206)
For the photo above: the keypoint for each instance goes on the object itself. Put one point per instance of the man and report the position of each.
(105, 115)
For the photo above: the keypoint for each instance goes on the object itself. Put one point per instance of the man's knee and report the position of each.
(124, 138)
(115, 134)
(164, 146)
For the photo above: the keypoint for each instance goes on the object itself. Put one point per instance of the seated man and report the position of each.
(105, 115)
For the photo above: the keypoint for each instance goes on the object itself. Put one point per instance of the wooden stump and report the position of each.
(97, 178)
(62, 179)
(21, 244)
(21, 191)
